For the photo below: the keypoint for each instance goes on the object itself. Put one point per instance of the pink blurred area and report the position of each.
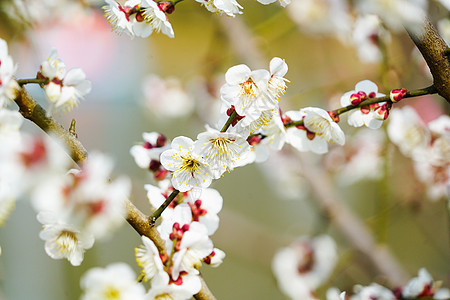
(84, 40)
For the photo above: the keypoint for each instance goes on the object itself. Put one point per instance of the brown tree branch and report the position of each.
(433, 49)
(32, 111)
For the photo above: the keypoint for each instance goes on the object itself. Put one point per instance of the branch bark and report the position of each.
(32, 111)
(433, 49)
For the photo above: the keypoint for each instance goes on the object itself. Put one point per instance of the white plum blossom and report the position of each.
(137, 18)
(228, 7)
(188, 168)
(166, 97)
(321, 16)
(183, 289)
(194, 247)
(368, 36)
(63, 90)
(205, 208)
(8, 84)
(397, 13)
(373, 291)
(408, 132)
(148, 258)
(365, 115)
(155, 20)
(116, 281)
(301, 267)
(63, 240)
(247, 91)
(223, 151)
(277, 83)
(317, 131)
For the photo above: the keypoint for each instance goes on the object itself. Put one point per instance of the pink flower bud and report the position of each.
(355, 99)
(334, 115)
(397, 94)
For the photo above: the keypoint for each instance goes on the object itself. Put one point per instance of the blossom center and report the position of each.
(112, 293)
(66, 242)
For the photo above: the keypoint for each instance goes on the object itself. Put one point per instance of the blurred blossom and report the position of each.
(397, 13)
(34, 12)
(283, 170)
(407, 131)
(420, 286)
(365, 115)
(166, 98)
(361, 158)
(373, 291)
(86, 199)
(321, 16)
(368, 36)
(8, 85)
(228, 7)
(116, 281)
(63, 90)
(283, 3)
(433, 165)
(304, 265)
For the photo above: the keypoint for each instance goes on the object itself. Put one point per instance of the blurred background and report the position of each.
(172, 86)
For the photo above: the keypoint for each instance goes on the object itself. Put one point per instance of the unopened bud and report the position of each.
(334, 115)
(355, 99)
(397, 94)
(167, 7)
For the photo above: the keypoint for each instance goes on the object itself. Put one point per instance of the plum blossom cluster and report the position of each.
(421, 287)
(74, 207)
(427, 145)
(143, 17)
(63, 90)
(252, 125)
(186, 227)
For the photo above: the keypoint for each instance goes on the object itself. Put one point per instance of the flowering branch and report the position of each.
(433, 49)
(416, 93)
(32, 111)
